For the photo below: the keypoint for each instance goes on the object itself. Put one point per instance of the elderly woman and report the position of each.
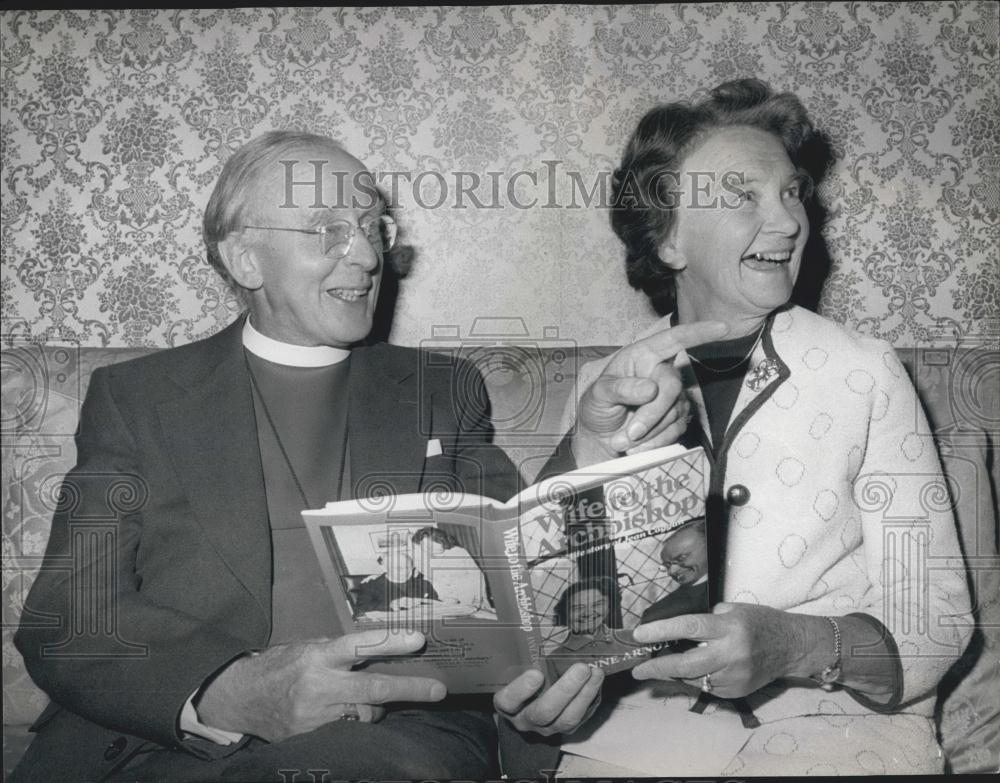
(587, 610)
(829, 525)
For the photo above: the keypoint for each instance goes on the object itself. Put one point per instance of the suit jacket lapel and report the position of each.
(212, 437)
(388, 421)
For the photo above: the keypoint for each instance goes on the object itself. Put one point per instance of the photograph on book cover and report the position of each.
(632, 550)
(407, 573)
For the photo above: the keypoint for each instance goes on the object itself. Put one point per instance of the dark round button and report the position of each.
(738, 495)
(115, 749)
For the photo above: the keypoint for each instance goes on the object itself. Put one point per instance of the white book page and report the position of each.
(435, 502)
(542, 493)
(546, 491)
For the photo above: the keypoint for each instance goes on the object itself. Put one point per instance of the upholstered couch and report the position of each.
(529, 384)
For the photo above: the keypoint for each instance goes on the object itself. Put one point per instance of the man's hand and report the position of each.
(742, 646)
(293, 688)
(638, 402)
(559, 710)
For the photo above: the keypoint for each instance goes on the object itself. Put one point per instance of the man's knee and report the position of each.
(443, 745)
(402, 747)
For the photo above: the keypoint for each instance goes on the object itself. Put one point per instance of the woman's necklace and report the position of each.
(724, 370)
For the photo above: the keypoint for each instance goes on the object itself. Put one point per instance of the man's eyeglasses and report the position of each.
(337, 236)
(681, 561)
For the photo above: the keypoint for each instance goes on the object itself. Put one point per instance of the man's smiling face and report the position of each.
(305, 296)
(685, 556)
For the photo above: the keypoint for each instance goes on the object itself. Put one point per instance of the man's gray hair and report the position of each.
(232, 201)
(696, 525)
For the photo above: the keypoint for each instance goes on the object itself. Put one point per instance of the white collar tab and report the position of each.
(289, 354)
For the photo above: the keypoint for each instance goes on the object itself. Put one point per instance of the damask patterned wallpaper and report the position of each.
(115, 125)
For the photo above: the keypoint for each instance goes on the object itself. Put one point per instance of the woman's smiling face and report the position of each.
(587, 611)
(737, 240)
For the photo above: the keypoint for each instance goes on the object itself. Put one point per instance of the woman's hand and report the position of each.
(638, 402)
(741, 646)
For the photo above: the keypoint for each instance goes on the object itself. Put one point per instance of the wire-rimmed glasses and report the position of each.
(337, 237)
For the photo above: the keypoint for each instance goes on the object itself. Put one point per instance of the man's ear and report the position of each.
(241, 261)
(671, 256)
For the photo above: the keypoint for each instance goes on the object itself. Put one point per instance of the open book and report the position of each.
(560, 573)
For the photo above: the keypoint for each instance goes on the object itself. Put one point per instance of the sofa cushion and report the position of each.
(40, 395)
(16, 739)
(960, 389)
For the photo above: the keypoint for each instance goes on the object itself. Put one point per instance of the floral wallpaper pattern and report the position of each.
(115, 124)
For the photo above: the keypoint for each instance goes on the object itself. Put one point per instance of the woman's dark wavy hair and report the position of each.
(603, 584)
(664, 136)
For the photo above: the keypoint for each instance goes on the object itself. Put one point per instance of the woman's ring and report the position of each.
(350, 712)
(706, 683)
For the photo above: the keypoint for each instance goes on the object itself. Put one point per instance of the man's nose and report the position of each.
(362, 254)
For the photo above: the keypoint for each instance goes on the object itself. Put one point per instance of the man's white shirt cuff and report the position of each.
(191, 725)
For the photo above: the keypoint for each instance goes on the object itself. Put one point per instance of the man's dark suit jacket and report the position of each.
(169, 463)
(686, 599)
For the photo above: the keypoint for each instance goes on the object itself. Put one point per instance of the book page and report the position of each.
(382, 504)
(550, 490)
(431, 571)
(404, 569)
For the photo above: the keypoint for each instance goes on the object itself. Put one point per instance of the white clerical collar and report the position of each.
(288, 354)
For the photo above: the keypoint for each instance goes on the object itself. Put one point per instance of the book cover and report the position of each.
(561, 572)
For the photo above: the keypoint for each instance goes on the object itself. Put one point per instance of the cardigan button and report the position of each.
(115, 749)
(738, 495)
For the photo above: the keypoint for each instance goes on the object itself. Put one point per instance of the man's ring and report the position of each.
(706, 683)
(350, 712)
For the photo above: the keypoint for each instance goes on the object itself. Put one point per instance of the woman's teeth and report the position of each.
(776, 258)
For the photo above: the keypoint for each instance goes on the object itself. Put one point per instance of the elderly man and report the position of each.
(217, 669)
(685, 556)
(399, 588)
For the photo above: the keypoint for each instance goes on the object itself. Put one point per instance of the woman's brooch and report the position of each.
(765, 372)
